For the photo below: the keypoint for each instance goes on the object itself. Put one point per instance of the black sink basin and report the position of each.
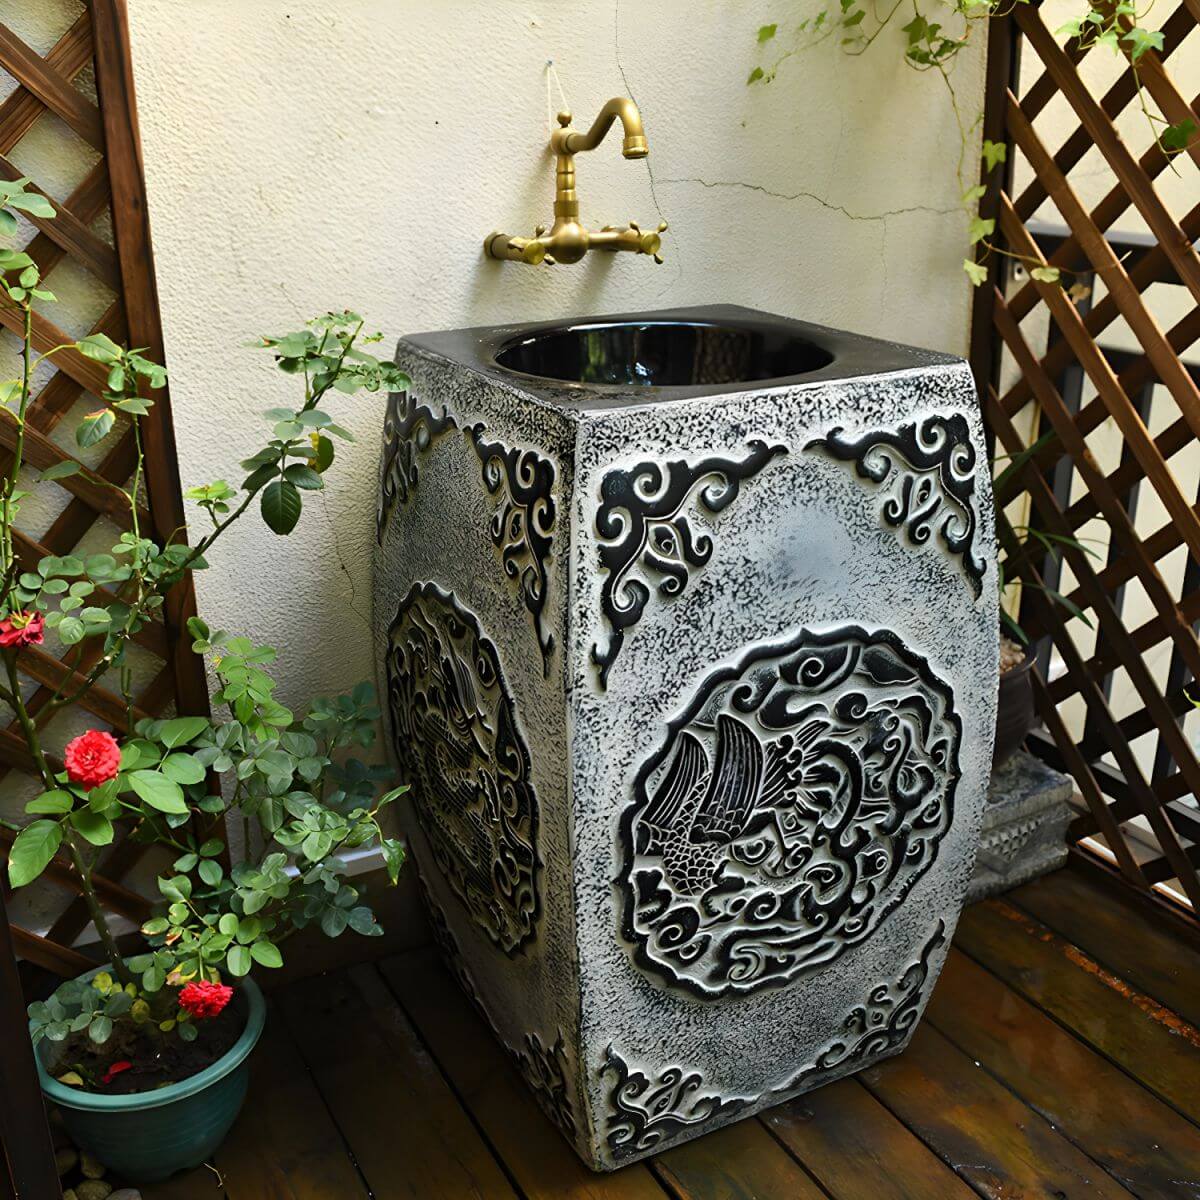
(602, 362)
(663, 353)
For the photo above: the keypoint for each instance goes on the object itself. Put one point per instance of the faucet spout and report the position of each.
(619, 107)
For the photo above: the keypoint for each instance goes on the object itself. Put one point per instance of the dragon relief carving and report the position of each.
(457, 738)
(410, 429)
(793, 805)
(925, 473)
(522, 527)
(648, 539)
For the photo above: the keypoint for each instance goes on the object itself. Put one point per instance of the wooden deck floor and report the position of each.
(1059, 1058)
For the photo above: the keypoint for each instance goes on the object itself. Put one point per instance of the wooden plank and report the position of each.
(1118, 934)
(405, 1128)
(1174, 29)
(1000, 1146)
(740, 1162)
(857, 1150)
(131, 228)
(47, 336)
(1146, 1039)
(87, 485)
(1137, 1138)
(286, 1146)
(1183, 257)
(543, 1166)
(67, 57)
(50, 87)
(1169, 369)
(70, 233)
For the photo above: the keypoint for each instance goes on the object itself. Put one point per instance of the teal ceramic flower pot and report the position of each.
(145, 1137)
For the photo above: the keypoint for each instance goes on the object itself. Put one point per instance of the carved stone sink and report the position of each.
(687, 626)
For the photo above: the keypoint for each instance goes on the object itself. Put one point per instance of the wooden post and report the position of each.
(131, 230)
(28, 1153)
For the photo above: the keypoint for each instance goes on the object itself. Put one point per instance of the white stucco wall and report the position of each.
(309, 154)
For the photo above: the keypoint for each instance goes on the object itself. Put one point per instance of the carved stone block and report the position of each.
(1024, 826)
(695, 682)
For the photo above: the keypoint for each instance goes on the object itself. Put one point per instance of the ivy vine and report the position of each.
(932, 45)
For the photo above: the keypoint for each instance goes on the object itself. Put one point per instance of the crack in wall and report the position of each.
(838, 208)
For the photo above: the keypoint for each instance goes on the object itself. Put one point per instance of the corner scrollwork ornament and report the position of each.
(522, 527)
(878, 1027)
(410, 429)
(646, 1111)
(794, 803)
(548, 1074)
(925, 472)
(457, 739)
(648, 539)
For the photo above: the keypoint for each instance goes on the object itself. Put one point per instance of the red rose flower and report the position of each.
(203, 999)
(22, 629)
(115, 1070)
(92, 758)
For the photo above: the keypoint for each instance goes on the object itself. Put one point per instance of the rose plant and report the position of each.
(290, 780)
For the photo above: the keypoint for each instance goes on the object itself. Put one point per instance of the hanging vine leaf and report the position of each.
(281, 506)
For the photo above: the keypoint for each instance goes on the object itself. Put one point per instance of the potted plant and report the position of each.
(146, 1055)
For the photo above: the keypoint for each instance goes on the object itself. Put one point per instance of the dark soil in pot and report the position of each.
(156, 1058)
(1015, 715)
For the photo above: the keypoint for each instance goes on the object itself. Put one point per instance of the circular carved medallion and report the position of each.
(794, 804)
(457, 739)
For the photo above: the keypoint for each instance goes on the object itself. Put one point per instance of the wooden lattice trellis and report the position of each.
(81, 88)
(1102, 375)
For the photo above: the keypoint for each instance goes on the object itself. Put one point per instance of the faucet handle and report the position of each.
(649, 243)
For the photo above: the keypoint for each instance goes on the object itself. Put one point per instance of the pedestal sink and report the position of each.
(687, 627)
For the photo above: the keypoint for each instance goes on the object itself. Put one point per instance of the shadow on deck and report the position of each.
(1059, 1058)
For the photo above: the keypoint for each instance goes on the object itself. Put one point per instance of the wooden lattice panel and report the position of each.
(67, 120)
(1105, 371)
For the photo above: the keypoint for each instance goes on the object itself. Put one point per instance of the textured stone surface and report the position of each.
(1024, 826)
(697, 687)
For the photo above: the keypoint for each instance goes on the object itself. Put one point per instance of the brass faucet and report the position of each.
(568, 239)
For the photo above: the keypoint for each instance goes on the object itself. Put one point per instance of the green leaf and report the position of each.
(767, 32)
(95, 427)
(1140, 40)
(1045, 274)
(980, 228)
(177, 888)
(393, 857)
(57, 801)
(187, 1031)
(304, 477)
(33, 203)
(994, 153)
(61, 469)
(33, 848)
(266, 954)
(155, 925)
(71, 631)
(281, 506)
(976, 272)
(1176, 137)
(100, 1030)
(99, 347)
(182, 768)
(971, 195)
(158, 791)
(324, 453)
(228, 924)
(182, 729)
(210, 871)
(238, 960)
(96, 828)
